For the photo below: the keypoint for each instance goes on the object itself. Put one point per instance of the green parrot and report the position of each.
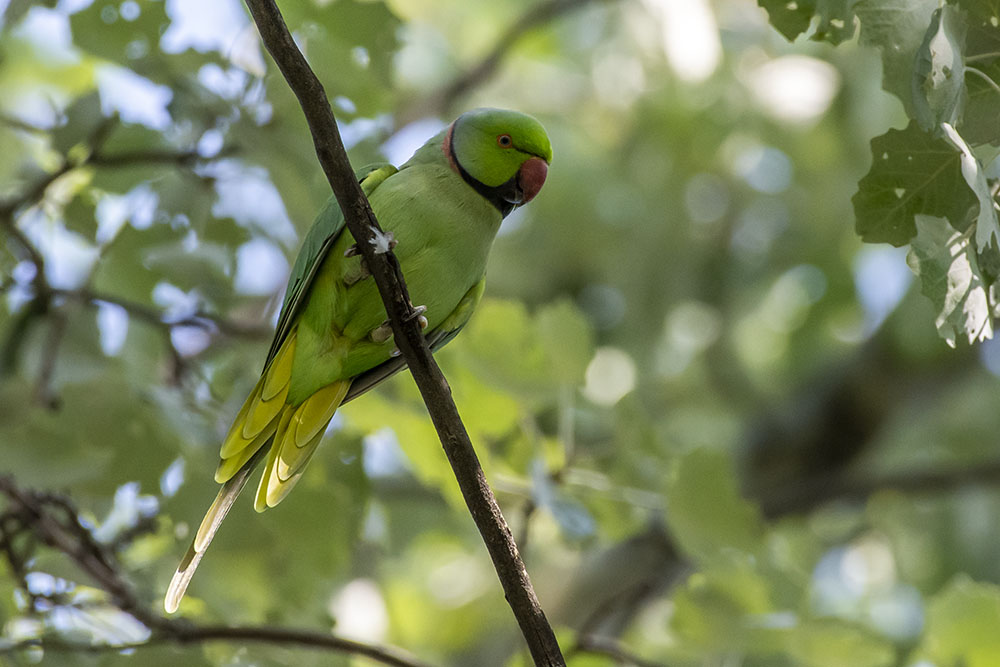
(443, 207)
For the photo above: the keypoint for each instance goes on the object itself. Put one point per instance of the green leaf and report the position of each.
(832, 643)
(946, 263)
(705, 511)
(897, 29)
(501, 340)
(836, 21)
(981, 123)
(791, 19)
(82, 118)
(962, 622)
(123, 271)
(487, 411)
(939, 70)
(351, 45)
(80, 215)
(532, 356)
(731, 608)
(987, 230)
(913, 172)
(567, 338)
(415, 434)
(130, 139)
(102, 31)
(712, 608)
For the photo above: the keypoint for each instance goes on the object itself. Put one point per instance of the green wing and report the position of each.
(321, 237)
(437, 339)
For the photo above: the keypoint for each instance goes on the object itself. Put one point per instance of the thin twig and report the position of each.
(17, 333)
(36, 192)
(23, 125)
(131, 158)
(535, 17)
(611, 648)
(45, 395)
(53, 520)
(155, 316)
(66, 534)
(985, 77)
(249, 634)
(31, 253)
(527, 512)
(440, 101)
(389, 656)
(407, 334)
(979, 57)
(196, 634)
(807, 494)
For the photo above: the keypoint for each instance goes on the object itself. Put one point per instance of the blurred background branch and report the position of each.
(30, 518)
(49, 302)
(442, 101)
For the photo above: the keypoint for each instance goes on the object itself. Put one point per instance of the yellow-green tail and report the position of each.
(288, 434)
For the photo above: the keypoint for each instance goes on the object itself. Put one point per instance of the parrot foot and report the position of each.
(381, 333)
(352, 276)
(352, 250)
(383, 241)
(395, 352)
(418, 313)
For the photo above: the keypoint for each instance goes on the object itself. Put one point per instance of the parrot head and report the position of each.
(504, 155)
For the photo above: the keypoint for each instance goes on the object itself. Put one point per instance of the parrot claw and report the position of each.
(418, 313)
(383, 241)
(395, 352)
(352, 251)
(381, 333)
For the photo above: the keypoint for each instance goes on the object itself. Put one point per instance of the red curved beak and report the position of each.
(531, 177)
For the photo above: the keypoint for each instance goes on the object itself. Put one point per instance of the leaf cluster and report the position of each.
(930, 184)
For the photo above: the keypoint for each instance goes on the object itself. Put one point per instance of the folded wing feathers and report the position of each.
(317, 411)
(268, 397)
(230, 465)
(291, 449)
(280, 372)
(263, 405)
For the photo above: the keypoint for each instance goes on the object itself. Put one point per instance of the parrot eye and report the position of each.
(504, 141)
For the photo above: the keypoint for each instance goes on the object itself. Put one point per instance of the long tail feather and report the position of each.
(265, 426)
(209, 526)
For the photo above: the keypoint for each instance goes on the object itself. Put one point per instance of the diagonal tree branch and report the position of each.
(408, 337)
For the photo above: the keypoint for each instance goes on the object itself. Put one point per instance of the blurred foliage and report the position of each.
(723, 430)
